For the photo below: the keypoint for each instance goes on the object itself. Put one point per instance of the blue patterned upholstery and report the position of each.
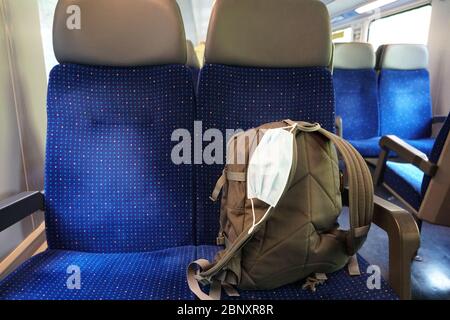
(406, 180)
(357, 102)
(110, 184)
(245, 97)
(339, 286)
(368, 148)
(157, 275)
(405, 103)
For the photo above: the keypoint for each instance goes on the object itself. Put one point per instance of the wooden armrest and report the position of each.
(408, 153)
(405, 152)
(404, 241)
(18, 207)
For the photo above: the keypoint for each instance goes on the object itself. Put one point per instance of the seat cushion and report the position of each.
(406, 180)
(339, 286)
(424, 145)
(368, 148)
(158, 275)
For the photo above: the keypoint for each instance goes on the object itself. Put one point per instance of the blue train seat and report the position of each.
(283, 74)
(116, 206)
(410, 180)
(404, 94)
(355, 84)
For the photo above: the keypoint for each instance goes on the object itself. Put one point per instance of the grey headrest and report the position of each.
(192, 60)
(269, 33)
(402, 57)
(354, 55)
(119, 32)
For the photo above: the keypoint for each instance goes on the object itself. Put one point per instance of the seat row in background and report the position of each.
(377, 94)
(383, 104)
(387, 93)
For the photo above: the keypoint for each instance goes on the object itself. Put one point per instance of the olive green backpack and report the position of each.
(300, 238)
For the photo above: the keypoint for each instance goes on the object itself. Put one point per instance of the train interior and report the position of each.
(95, 96)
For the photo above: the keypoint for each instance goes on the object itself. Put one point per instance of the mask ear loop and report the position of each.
(254, 224)
(293, 127)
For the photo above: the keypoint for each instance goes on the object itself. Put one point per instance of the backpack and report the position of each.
(300, 237)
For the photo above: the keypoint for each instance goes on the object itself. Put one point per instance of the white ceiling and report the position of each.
(338, 7)
(196, 14)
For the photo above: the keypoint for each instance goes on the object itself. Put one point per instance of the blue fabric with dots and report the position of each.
(405, 103)
(437, 150)
(242, 98)
(157, 275)
(339, 286)
(406, 179)
(368, 148)
(357, 102)
(110, 184)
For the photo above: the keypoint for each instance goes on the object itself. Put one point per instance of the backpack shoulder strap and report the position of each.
(360, 192)
(193, 281)
(360, 186)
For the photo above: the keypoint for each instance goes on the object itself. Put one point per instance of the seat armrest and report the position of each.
(18, 207)
(338, 125)
(406, 152)
(439, 119)
(404, 241)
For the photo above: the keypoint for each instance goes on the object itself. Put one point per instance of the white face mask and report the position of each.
(269, 168)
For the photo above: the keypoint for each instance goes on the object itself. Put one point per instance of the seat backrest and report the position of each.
(404, 91)
(264, 61)
(113, 102)
(435, 206)
(436, 152)
(355, 85)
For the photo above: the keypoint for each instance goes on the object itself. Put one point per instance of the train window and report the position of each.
(46, 13)
(410, 26)
(343, 35)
